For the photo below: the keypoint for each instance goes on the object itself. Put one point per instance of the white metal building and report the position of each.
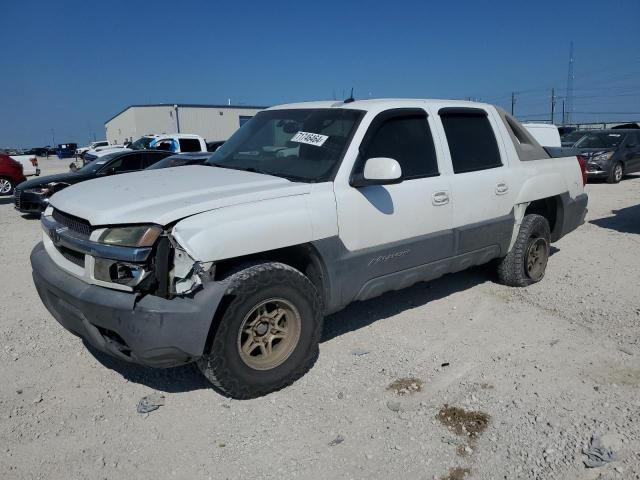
(213, 122)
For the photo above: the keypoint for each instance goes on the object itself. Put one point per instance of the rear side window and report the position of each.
(189, 145)
(407, 139)
(128, 163)
(471, 140)
(151, 158)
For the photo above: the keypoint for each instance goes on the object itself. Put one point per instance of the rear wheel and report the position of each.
(527, 261)
(269, 333)
(616, 173)
(6, 186)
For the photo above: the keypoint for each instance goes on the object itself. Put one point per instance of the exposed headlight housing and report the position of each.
(122, 273)
(135, 236)
(602, 156)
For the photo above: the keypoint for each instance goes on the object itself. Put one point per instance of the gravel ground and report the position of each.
(490, 382)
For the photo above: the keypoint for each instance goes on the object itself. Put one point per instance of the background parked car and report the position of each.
(194, 158)
(82, 150)
(546, 134)
(66, 150)
(33, 195)
(11, 174)
(29, 163)
(610, 154)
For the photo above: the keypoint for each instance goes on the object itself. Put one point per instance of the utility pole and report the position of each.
(570, 79)
(553, 104)
(513, 103)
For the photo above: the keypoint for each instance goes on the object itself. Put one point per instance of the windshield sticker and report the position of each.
(314, 139)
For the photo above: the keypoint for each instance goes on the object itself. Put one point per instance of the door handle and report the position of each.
(440, 198)
(502, 188)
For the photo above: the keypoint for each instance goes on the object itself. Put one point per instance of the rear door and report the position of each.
(481, 184)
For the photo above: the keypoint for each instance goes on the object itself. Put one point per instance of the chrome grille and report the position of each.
(75, 224)
(71, 255)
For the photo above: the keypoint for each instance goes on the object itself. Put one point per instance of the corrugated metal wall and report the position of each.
(121, 127)
(212, 123)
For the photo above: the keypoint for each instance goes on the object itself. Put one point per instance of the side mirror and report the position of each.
(378, 171)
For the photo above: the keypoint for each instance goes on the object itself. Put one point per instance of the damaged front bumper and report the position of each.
(147, 329)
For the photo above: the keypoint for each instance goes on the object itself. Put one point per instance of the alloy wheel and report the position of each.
(269, 333)
(536, 259)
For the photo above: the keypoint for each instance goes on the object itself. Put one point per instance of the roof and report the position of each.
(383, 103)
(188, 105)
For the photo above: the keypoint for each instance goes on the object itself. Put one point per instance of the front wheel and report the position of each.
(269, 333)
(6, 186)
(527, 261)
(616, 173)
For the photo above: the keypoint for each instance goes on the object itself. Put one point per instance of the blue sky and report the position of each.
(69, 66)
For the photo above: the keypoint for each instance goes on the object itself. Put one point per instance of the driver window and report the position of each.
(407, 139)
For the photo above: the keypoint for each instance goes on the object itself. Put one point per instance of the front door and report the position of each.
(392, 228)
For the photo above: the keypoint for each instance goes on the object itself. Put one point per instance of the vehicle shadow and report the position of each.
(362, 314)
(625, 220)
(6, 200)
(186, 378)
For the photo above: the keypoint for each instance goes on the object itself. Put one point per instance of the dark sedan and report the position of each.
(32, 196)
(610, 154)
(179, 160)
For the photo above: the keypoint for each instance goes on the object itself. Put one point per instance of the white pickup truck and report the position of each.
(308, 207)
(29, 164)
(173, 142)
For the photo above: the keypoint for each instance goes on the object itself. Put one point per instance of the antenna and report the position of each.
(350, 99)
(569, 96)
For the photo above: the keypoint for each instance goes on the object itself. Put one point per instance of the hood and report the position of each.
(169, 194)
(67, 177)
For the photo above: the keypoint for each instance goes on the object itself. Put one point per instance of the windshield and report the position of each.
(600, 140)
(141, 144)
(95, 165)
(573, 136)
(300, 144)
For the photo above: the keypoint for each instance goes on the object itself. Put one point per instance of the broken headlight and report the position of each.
(135, 236)
(112, 271)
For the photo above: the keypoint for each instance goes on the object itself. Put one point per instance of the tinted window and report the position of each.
(407, 139)
(600, 140)
(633, 140)
(150, 158)
(472, 143)
(189, 145)
(126, 163)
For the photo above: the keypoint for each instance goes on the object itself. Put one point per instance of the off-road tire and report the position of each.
(223, 365)
(512, 269)
(617, 171)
